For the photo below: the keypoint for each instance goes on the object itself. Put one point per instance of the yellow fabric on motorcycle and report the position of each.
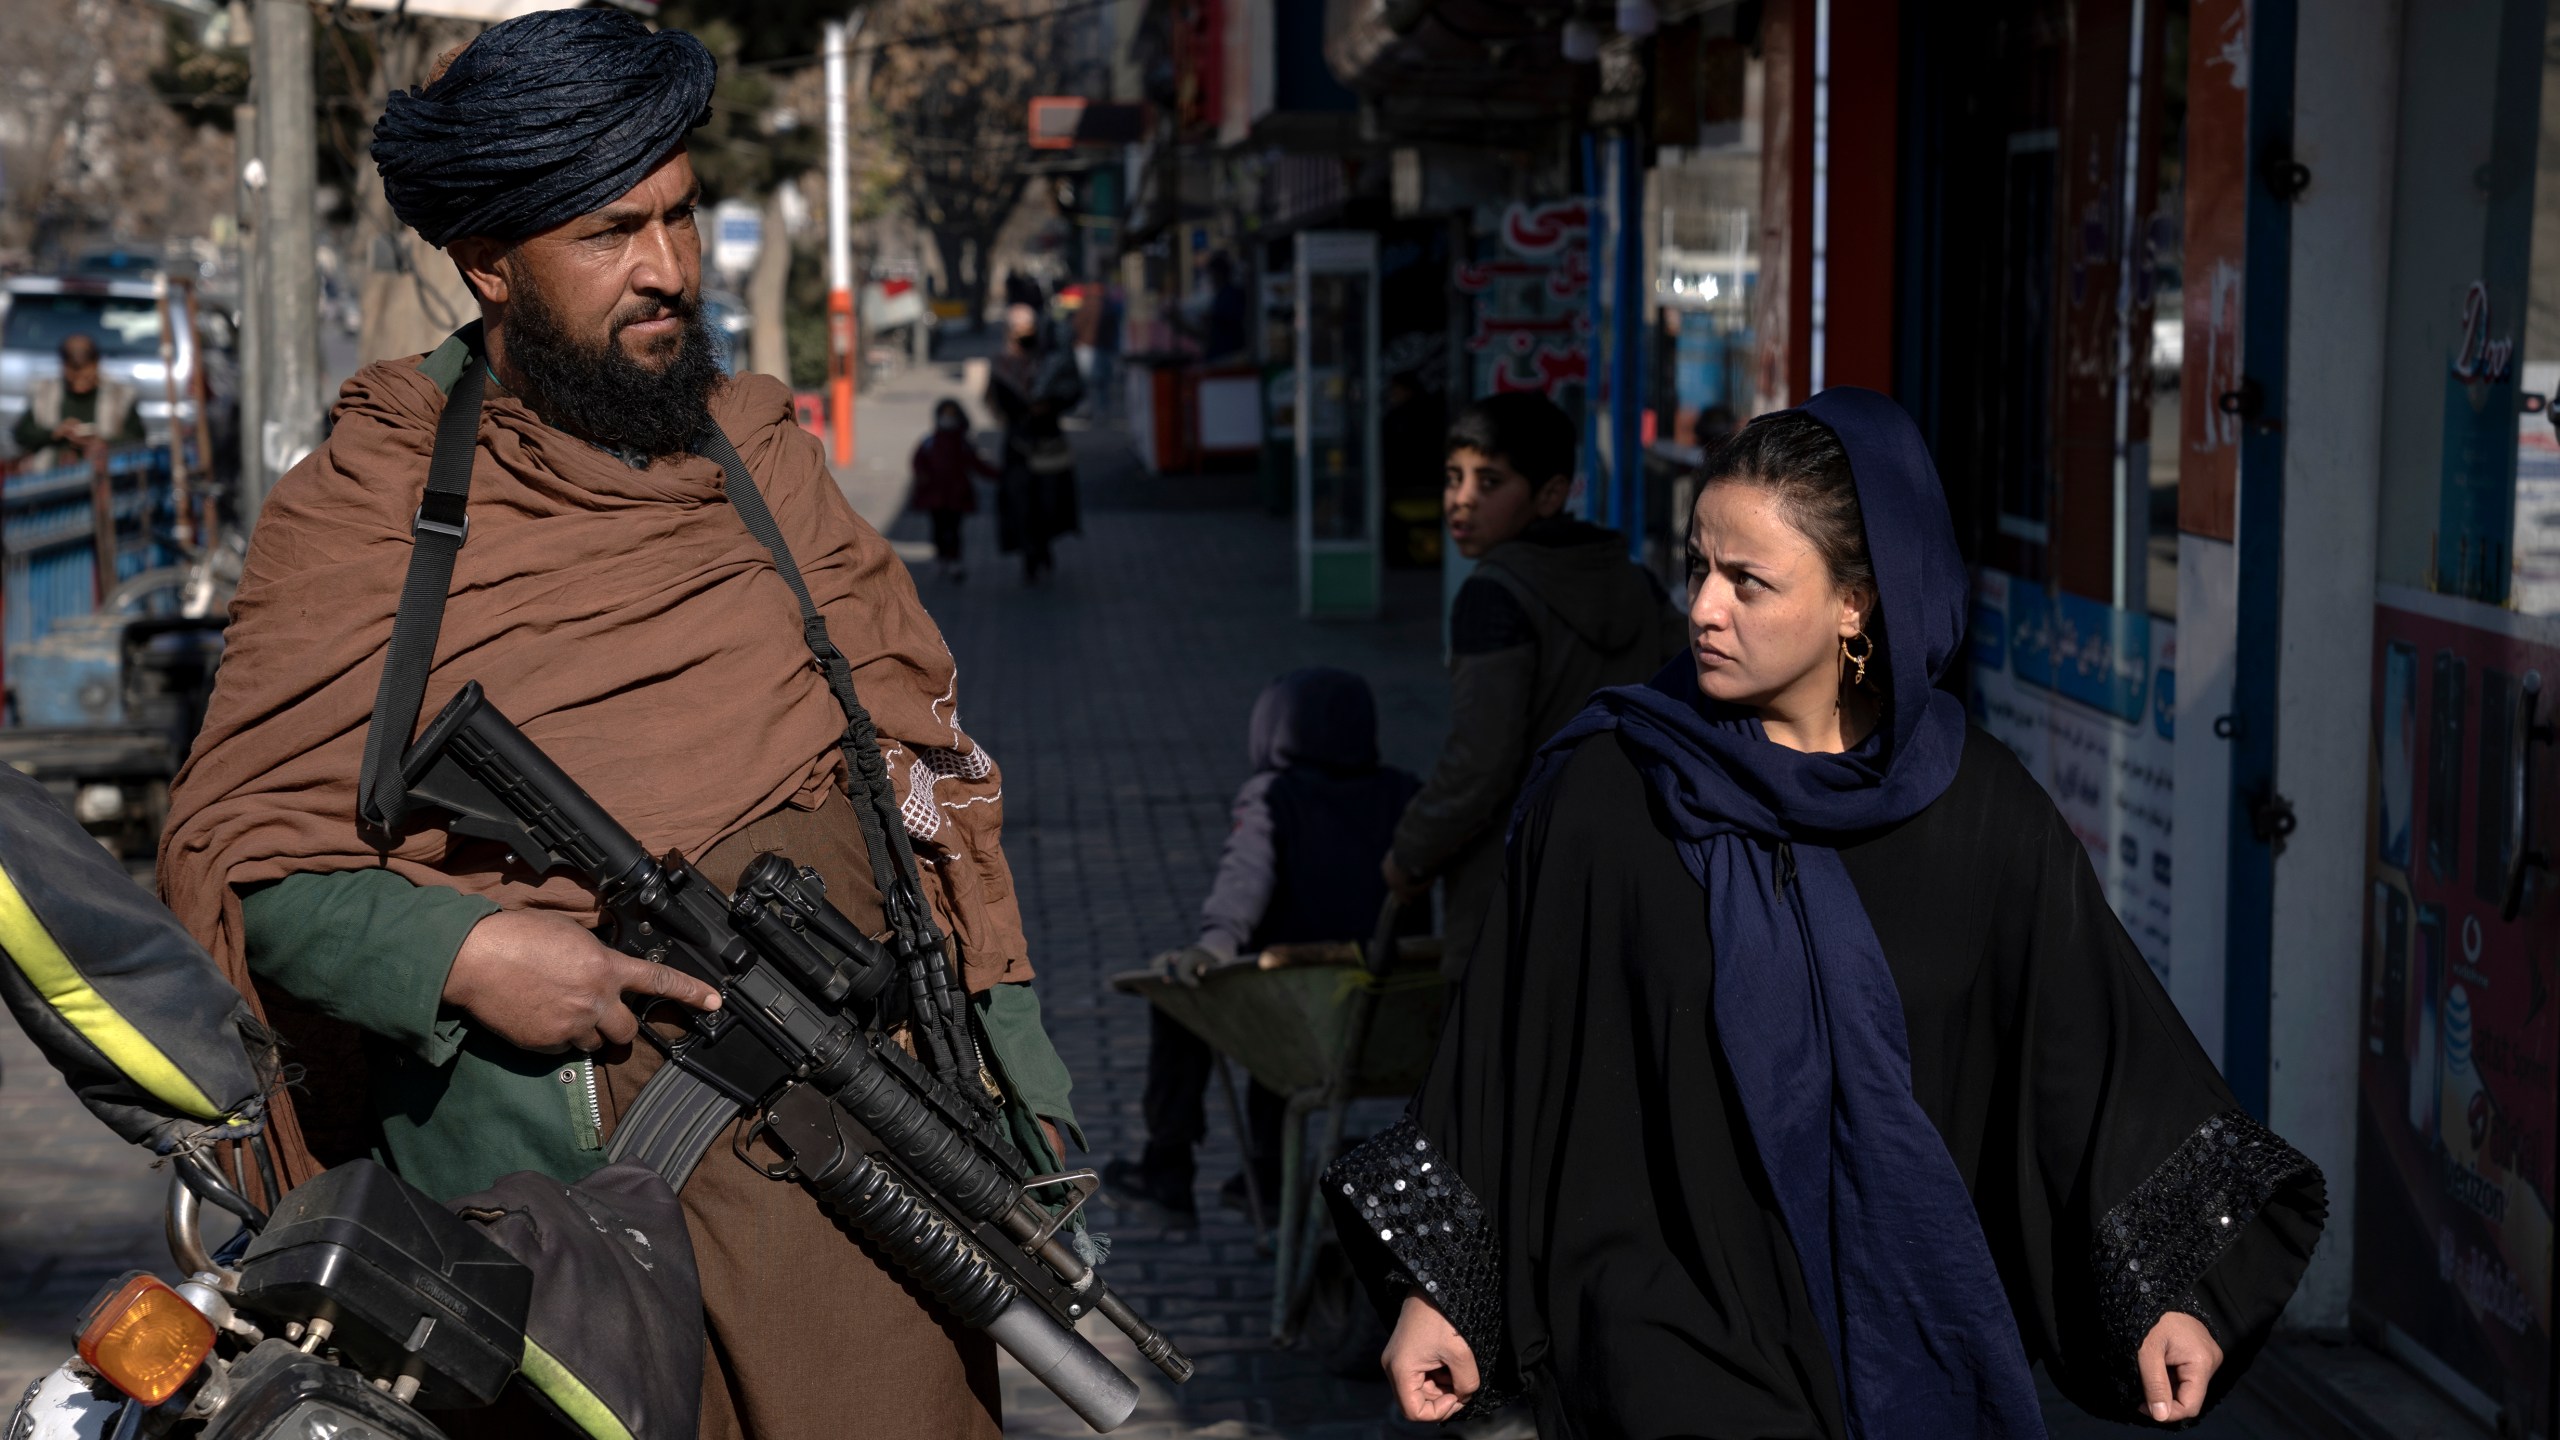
(569, 1395)
(60, 985)
(131, 1011)
(614, 1336)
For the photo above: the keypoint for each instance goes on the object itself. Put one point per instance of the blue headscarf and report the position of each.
(1894, 1258)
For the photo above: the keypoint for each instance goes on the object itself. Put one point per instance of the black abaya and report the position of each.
(1615, 1247)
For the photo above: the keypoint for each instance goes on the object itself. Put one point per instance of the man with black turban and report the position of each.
(613, 603)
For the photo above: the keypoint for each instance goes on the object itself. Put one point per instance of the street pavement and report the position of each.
(1114, 695)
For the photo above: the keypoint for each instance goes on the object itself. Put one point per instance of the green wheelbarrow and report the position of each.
(1322, 1025)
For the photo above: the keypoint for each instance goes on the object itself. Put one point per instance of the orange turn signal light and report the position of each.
(145, 1338)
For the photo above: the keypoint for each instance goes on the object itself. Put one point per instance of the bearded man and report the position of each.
(612, 603)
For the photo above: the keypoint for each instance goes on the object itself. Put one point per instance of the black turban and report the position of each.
(540, 120)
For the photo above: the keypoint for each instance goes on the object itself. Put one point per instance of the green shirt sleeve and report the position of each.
(27, 435)
(367, 947)
(1010, 1017)
(132, 433)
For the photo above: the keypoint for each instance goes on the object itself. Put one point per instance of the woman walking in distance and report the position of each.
(1813, 1089)
(1031, 385)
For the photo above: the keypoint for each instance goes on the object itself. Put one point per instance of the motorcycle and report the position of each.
(348, 1313)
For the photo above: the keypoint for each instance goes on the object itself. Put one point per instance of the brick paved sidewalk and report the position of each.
(77, 1208)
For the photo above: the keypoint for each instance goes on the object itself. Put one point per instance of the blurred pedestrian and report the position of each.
(1031, 385)
(1295, 870)
(1105, 379)
(1553, 611)
(67, 414)
(1219, 313)
(1086, 323)
(944, 466)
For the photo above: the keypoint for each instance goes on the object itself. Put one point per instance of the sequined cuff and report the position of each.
(2159, 1240)
(1398, 1202)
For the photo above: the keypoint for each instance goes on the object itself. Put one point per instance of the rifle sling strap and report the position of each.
(382, 795)
(884, 831)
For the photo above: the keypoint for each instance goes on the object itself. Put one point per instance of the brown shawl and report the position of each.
(623, 618)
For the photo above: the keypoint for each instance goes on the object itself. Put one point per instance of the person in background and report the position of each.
(943, 466)
(1083, 304)
(1106, 347)
(1295, 869)
(1226, 329)
(65, 415)
(1554, 611)
(1031, 385)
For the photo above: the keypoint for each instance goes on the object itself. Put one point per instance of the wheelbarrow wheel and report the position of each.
(1342, 1327)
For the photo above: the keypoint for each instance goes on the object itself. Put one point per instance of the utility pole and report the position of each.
(841, 336)
(288, 257)
(253, 480)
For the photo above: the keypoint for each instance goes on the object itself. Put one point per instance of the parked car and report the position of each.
(124, 316)
(726, 314)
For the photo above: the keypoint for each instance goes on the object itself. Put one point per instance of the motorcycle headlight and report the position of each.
(279, 1393)
(320, 1420)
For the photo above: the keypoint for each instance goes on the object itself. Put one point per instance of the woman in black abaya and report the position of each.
(1816, 1090)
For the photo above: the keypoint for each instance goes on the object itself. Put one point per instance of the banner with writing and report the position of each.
(2085, 694)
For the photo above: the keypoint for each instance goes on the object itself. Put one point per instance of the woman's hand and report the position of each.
(1429, 1364)
(2177, 1360)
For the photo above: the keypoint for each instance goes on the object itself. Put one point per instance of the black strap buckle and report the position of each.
(443, 514)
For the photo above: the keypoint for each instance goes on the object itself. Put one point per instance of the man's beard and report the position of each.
(600, 393)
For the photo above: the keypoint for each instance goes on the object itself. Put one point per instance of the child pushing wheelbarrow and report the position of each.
(1298, 975)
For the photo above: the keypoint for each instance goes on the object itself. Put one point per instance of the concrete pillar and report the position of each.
(2346, 106)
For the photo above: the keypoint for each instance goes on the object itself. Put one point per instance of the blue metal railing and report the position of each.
(48, 537)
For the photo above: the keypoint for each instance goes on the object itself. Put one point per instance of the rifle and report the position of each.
(803, 1044)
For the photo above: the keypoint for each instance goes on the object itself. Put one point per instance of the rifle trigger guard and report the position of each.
(1084, 1183)
(760, 1122)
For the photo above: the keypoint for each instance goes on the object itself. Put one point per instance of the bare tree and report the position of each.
(87, 150)
(953, 84)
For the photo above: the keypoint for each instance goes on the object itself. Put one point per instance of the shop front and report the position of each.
(2454, 1178)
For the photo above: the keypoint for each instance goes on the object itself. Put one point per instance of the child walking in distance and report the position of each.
(1553, 611)
(1296, 869)
(944, 463)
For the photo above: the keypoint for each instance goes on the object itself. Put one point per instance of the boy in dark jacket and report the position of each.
(1553, 611)
(1296, 869)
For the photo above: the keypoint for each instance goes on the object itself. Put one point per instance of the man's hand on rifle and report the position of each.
(544, 983)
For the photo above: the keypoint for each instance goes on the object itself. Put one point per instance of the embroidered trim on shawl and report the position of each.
(2159, 1240)
(1418, 1209)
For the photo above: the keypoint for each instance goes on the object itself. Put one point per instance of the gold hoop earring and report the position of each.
(1859, 657)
